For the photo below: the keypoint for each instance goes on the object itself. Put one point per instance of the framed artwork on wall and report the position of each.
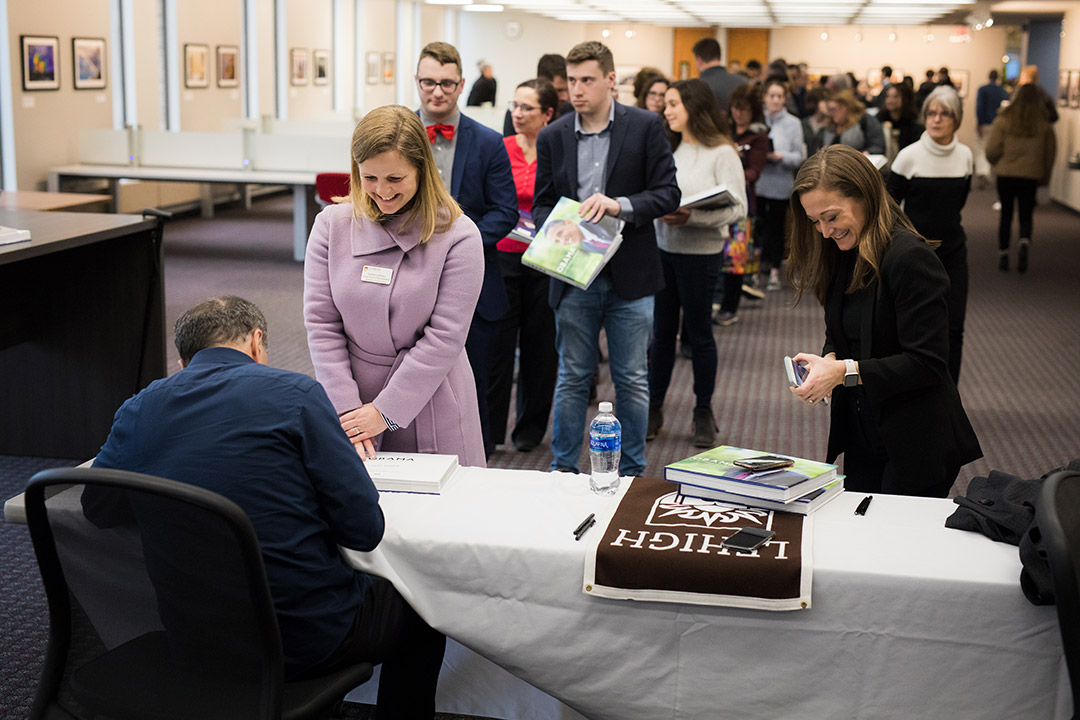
(299, 63)
(1063, 88)
(196, 65)
(88, 63)
(374, 68)
(320, 67)
(1074, 89)
(388, 68)
(228, 66)
(40, 61)
(961, 79)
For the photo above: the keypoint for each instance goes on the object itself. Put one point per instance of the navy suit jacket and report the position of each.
(483, 185)
(639, 167)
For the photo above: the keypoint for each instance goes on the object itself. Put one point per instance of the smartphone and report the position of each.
(763, 462)
(796, 372)
(747, 539)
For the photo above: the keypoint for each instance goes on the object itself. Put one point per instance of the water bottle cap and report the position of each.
(605, 407)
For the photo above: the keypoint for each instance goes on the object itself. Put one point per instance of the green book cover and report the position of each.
(715, 468)
(571, 249)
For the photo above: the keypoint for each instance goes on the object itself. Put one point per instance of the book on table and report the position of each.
(525, 230)
(411, 472)
(804, 505)
(10, 235)
(711, 199)
(715, 470)
(571, 249)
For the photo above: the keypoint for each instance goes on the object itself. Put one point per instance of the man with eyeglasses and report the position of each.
(474, 166)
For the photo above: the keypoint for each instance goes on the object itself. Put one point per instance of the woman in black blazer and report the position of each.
(896, 414)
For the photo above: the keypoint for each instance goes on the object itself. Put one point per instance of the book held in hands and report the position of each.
(525, 230)
(712, 199)
(715, 469)
(570, 248)
(411, 472)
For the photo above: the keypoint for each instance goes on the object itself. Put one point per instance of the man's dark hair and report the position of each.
(708, 49)
(592, 50)
(551, 66)
(886, 72)
(218, 321)
(753, 65)
(993, 75)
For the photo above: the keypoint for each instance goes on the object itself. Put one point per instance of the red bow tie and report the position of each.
(446, 130)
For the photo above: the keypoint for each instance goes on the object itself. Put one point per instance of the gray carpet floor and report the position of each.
(1020, 381)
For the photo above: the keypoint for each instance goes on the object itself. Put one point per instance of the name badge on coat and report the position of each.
(375, 274)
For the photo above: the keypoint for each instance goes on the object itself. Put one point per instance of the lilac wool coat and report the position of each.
(387, 319)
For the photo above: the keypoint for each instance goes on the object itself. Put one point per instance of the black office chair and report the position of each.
(1058, 519)
(159, 606)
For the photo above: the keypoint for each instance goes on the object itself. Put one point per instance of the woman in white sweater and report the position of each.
(691, 245)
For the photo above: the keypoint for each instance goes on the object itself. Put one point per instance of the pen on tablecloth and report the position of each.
(861, 510)
(584, 525)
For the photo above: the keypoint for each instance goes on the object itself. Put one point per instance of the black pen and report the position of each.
(584, 524)
(861, 510)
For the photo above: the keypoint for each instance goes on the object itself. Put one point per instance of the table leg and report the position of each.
(53, 182)
(303, 217)
(206, 200)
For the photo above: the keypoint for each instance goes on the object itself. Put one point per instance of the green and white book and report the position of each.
(572, 249)
(715, 470)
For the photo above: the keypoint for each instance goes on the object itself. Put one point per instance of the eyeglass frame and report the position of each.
(512, 106)
(453, 84)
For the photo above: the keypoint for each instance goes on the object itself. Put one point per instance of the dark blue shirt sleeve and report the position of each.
(344, 489)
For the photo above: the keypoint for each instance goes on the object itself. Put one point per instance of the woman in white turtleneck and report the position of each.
(931, 178)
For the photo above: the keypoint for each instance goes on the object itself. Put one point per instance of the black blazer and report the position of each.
(639, 167)
(904, 337)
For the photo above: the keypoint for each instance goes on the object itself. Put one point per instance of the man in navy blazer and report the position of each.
(473, 164)
(617, 161)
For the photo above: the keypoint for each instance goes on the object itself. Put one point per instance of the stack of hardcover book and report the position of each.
(740, 476)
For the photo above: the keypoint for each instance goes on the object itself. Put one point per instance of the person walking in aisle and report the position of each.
(1021, 148)
(773, 189)
(895, 412)
(987, 103)
(616, 161)
(529, 324)
(707, 57)
(472, 162)
(931, 179)
(691, 245)
(751, 137)
(390, 283)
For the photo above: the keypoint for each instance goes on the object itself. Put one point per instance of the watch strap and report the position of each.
(851, 374)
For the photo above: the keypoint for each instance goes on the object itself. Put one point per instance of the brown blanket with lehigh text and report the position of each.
(665, 547)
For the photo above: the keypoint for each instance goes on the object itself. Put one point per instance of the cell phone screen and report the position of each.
(800, 372)
(748, 539)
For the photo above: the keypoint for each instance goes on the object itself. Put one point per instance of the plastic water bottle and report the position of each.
(605, 449)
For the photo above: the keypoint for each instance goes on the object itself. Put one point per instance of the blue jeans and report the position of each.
(628, 325)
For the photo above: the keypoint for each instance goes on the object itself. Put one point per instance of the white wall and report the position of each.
(1065, 182)
(910, 53)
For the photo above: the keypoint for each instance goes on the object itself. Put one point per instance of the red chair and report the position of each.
(330, 185)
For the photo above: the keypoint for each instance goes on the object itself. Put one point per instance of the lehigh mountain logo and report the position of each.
(676, 510)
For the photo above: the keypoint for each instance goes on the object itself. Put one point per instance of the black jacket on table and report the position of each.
(639, 168)
(904, 372)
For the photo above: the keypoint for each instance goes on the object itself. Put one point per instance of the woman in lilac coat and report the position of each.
(390, 283)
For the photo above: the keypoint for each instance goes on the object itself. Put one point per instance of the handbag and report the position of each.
(741, 256)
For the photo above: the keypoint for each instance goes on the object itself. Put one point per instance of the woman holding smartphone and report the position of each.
(896, 415)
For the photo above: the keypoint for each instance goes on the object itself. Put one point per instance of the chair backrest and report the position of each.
(1058, 519)
(329, 185)
(152, 584)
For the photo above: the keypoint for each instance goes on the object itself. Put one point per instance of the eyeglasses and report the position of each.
(448, 86)
(938, 114)
(658, 95)
(521, 106)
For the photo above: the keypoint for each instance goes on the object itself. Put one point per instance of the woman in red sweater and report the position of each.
(529, 322)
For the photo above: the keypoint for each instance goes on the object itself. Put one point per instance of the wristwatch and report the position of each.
(851, 374)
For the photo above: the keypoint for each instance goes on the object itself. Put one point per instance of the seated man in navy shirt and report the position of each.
(270, 441)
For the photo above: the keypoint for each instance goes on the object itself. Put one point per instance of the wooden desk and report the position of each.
(82, 328)
(35, 200)
(302, 184)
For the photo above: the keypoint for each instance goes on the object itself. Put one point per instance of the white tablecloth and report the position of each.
(909, 619)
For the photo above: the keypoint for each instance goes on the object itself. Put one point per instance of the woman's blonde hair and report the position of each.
(814, 260)
(394, 128)
(855, 109)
